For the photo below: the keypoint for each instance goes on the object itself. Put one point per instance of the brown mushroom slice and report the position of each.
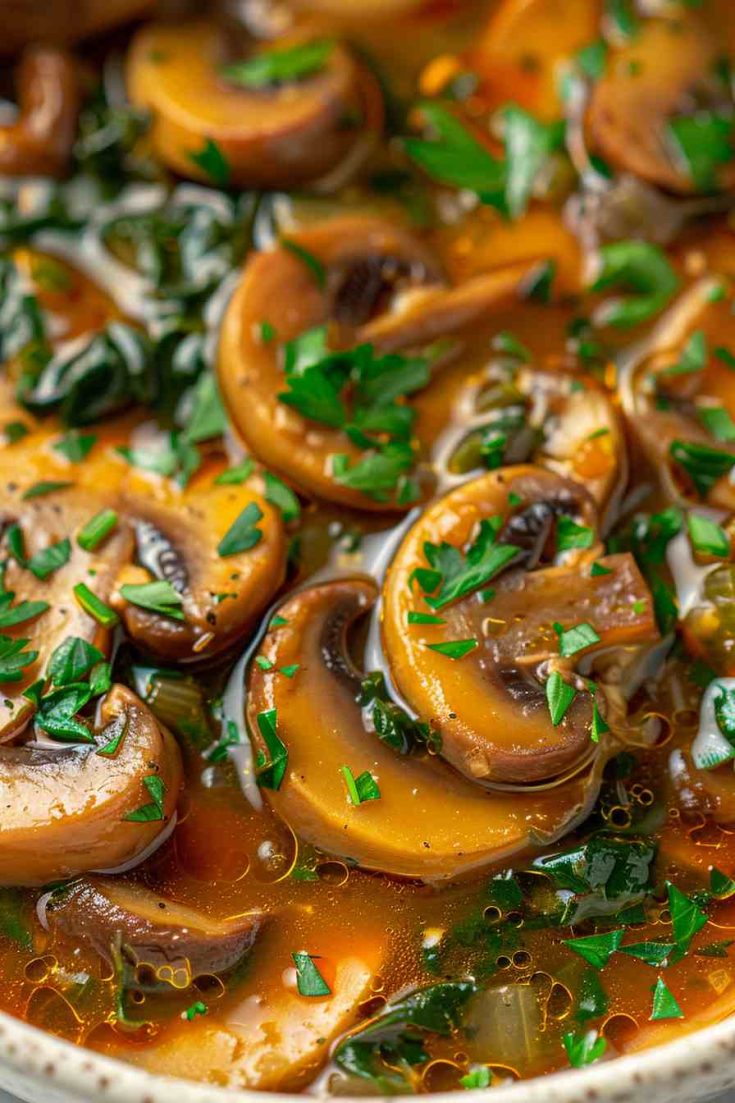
(274, 136)
(46, 522)
(567, 425)
(179, 536)
(667, 70)
(162, 933)
(489, 705)
(64, 20)
(272, 1042)
(66, 810)
(366, 261)
(520, 53)
(683, 394)
(382, 286)
(429, 823)
(39, 143)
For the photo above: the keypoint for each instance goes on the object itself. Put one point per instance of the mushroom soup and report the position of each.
(367, 621)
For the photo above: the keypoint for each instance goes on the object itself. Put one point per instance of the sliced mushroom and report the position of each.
(178, 539)
(490, 706)
(526, 42)
(429, 823)
(668, 69)
(39, 143)
(65, 20)
(163, 531)
(272, 1042)
(670, 401)
(272, 136)
(382, 286)
(43, 522)
(564, 424)
(65, 811)
(158, 932)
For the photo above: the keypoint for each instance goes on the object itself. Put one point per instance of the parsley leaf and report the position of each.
(652, 953)
(645, 270)
(559, 696)
(157, 597)
(571, 535)
(576, 638)
(75, 446)
(583, 1049)
(71, 660)
(704, 465)
(154, 810)
(271, 767)
(686, 917)
(528, 144)
(597, 949)
(361, 788)
(454, 649)
(212, 161)
(282, 497)
(704, 141)
(455, 157)
(707, 537)
(664, 1004)
(243, 533)
(280, 66)
(50, 559)
(462, 574)
(14, 659)
(309, 981)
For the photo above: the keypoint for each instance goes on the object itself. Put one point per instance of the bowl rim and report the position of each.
(703, 1060)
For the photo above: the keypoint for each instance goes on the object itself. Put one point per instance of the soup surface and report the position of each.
(367, 491)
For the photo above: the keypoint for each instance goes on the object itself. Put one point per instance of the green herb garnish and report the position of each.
(156, 597)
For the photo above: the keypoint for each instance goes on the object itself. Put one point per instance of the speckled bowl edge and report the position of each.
(41, 1068)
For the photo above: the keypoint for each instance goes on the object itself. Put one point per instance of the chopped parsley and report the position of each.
(48, 560)
(707, 537)
(454, 649)
(14, 659)
(665, 1005)
(155, 808)
(597, 949)
(243, 534)
(273, 764)
(559, 696)
(454, 575)
(571, 535)
(75, 446)
(318, 382)
(583, 1049)
(235, 476)
(644, 270)
(312, 264)
(212, 161)
(309, 981)
(156, 597)
(97, 529)
(282, 497)
(95, 607)
(273, 67)
(704, 465)
(39, 490)
(362, 788)
(576, 638)
(704, 142)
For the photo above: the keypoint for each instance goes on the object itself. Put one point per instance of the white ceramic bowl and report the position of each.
(40, 1068)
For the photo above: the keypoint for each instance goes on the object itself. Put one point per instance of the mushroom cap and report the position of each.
(269, 137)
(661, 73)
(159, 932)
(278, 288)
(525, 42)
(688, 395)
(429, 823)
(490, 707)
(39, 142)
(63, 808)
(221, 595)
